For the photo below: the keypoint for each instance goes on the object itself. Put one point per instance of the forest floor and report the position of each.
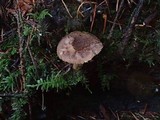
(118, 103)
(82, 105)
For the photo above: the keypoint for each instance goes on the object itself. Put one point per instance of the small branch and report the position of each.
(93, 18)
(21, 68)
(118, 118)
(33, 61)
(50, 60)
(5, 35)
(134, 116)
(30, 110)
(145, 109)
(29, 50)
(1, 40)
(115, 19)
(43, 106)
(66, 9)
(127, 34)
(105, 112)
(150, 18)
(84, 2)
(11, 95)
(105, 22)
(117, 5)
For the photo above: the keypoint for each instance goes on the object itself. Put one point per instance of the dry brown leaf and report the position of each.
(25, 6)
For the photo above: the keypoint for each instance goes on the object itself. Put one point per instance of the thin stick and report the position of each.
(1, 36)
(113, 113)
(29, 50)
(11, 95)
(93, 18)
(78, 10)
(85, 2)
(127, 34)
(109, 11)
(7, 33)
(145, 109)
(129, 3)
(117, 116)
(43, 106)
(117, 5)
(134, 116)
(106, 2)
(101, 3)
(114, 23)
(105, 22)
(30, 110)
(141, 116)
(50, 60)
(21, 68)
(33, 61)
(115, 19)
(66, 9)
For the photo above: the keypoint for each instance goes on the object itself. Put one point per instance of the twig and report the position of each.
(152, 114)
(85, 2)
(145, 108)
(30, 110)
(117, 5)
(115, 19)
(66, 9)
(105, 22)
(8, 32)
(50, 60)
(21, 68)
(134, 116)
(129, 3)
(30, 53)
(150, 18)
(114, 23)
(127, 34)
(105, 112)
(141, 116)
(1, 40)
(109, 11)
(93, 18)
(92, 117)
(78, 10)
(33, 61)
(11, 95)
(5, 35)
(117, 116)
(106, 2)
(43, 106)
(113, 113)
(101, 3)
(81, 117)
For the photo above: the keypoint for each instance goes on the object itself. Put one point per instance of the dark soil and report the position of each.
(79, 104)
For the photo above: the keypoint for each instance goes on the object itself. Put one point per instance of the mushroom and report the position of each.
(78, 48)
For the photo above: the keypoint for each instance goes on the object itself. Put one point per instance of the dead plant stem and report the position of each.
(134, 17)
(115, 19)
(29, 50)
(66, 8)
(21, 67)
(93, 17)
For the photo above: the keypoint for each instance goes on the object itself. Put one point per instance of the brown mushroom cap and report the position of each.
(78, 47)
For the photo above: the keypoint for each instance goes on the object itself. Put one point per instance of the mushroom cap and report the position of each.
(78, 47)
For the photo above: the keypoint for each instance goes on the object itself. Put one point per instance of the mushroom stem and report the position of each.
(77, 66)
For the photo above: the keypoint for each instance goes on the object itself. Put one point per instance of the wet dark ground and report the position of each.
(74, 104)
(78, 103)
